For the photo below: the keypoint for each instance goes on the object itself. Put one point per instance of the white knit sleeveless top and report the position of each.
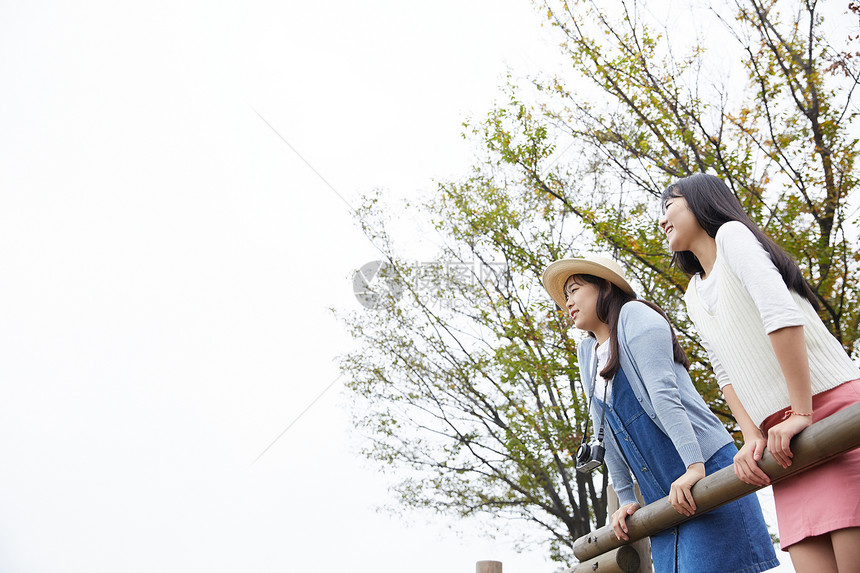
(736, 335)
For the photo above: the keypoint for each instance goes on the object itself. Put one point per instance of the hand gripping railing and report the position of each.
(819, 442)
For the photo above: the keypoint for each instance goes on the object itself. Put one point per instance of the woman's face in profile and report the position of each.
(680, 224)
(581, 302)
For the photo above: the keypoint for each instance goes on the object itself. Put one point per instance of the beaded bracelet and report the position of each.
(789, 412)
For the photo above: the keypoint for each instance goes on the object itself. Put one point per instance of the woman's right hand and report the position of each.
(746, 462)
(619, 524)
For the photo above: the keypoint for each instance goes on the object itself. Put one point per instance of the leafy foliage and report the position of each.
(465, 372)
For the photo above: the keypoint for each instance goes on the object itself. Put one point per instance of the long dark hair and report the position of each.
(610, 299)
(713, 204)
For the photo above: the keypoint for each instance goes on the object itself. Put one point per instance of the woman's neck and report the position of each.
(601, 333)
(705, 250)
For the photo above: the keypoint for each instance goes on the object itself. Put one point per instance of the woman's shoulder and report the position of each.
(733, 227)
(741, 251)
(733, 233)
(639, 313)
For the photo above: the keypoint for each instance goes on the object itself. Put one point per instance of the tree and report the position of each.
(466, 377)
(786, 148)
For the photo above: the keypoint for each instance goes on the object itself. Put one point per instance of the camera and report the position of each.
(589, 456)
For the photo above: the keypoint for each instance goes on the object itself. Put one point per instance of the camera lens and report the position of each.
(583, 453)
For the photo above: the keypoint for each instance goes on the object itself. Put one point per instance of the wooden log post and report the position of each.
(642, 546)
(624, 559)
(620, 560)
(819, 442)
(488, 567)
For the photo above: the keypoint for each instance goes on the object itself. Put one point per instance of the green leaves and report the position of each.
(467, 378)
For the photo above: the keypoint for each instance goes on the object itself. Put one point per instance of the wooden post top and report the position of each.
(488, 567)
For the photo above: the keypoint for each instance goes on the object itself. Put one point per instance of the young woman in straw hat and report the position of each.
(657, 427)
(778, 366)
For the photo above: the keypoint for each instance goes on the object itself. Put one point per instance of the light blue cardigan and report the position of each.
(662, 387)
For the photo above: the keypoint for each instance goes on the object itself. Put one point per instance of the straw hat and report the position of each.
(558, 272)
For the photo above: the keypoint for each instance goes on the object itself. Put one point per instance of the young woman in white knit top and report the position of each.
(778, 366)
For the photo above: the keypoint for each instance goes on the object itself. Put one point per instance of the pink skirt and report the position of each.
(827, 497)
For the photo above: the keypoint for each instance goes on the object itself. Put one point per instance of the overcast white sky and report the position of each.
(167, 264)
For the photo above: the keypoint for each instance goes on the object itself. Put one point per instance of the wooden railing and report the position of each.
(816, 444)
(603, 552)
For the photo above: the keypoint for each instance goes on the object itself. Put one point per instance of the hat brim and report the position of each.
(557, 273)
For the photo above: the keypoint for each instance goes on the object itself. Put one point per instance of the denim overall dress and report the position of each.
(730, 538)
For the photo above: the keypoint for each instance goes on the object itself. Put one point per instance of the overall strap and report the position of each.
(591, 398)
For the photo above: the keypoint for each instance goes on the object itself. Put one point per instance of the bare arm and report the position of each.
(746, 460)
(789, 345)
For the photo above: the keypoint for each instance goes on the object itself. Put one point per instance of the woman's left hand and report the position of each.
(680, 494)
(779, 438)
